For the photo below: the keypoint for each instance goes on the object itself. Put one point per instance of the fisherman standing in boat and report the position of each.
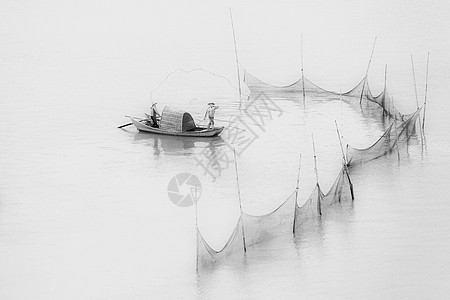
(210, 114)
(154, 115)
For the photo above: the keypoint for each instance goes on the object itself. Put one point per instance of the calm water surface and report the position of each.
(84, 211)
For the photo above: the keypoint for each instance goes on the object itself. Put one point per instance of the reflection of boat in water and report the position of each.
(177, 123)
(176, 146)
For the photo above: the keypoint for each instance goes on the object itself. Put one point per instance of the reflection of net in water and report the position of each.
(289, 217)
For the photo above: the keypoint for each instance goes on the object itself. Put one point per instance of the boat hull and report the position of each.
(195, 133)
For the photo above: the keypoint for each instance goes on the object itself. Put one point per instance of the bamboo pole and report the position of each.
(417, 98)
(237, 60)
(340, 97)
(317, 175)
(345, 162)
(414, 77)
(396, 133)
(296, 191)
(426, 91)
(319, 208)
(340, 143)
(384, 96)
(239, 195)
(367, 71)
(315, 160)
(303, 76)
(298, 174)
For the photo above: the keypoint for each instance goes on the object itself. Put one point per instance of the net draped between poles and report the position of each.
(234, 247)
(287, 218)
(383, 100)
(390, 139)
(317, 203)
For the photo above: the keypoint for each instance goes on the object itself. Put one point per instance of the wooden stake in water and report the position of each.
(367, 71)
(345, 162)
(237, 60)
(426, 91)
(239, 195)
(417, 98)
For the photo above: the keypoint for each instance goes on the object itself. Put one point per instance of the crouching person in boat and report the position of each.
(154, 115)
(210, 114)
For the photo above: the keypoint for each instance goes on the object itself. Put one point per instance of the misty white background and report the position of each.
(84, 212)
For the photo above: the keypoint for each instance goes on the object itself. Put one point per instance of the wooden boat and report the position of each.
(176, 122)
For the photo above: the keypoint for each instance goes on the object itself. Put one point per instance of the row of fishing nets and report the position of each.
(318, 202)
(289, 217)
(360, 92)
(286, 219)
(394, 136)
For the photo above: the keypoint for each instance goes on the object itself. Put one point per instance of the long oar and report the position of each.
(200, 122)
(128, 124)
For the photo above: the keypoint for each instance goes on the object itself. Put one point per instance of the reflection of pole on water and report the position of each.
(196, 231)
